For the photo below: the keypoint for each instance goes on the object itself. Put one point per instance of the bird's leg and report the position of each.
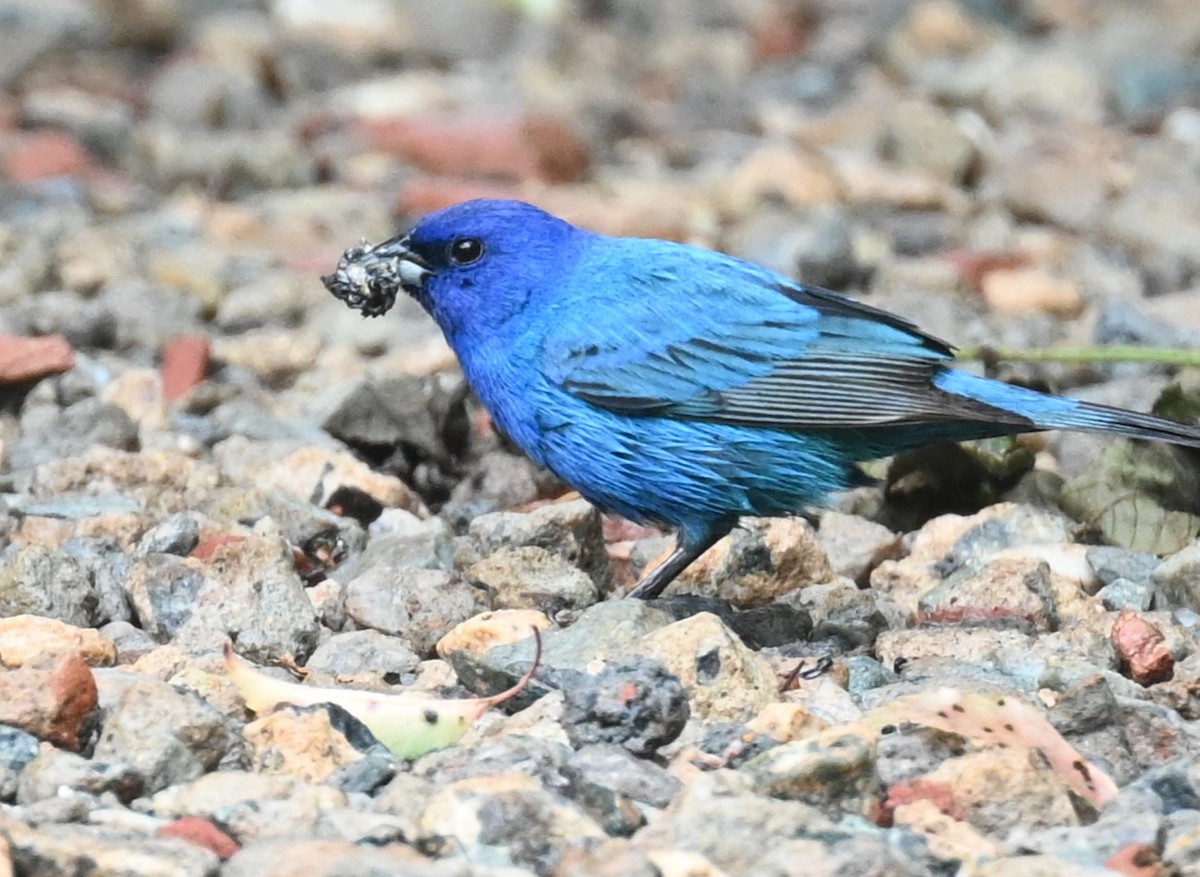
(687, 548)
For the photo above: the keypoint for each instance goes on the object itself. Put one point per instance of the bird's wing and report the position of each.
(742, 345)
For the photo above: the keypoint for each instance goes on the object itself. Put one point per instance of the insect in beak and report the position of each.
(369, 278)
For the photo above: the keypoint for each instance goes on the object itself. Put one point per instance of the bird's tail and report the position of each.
(1103, 418)
(1057, 412)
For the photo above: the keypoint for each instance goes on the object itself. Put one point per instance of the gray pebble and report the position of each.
(177, 535)
(165, 735)
(419, 605)
(38, 580)
(54, 770)
(49, 433)
(633, 703)
(359, 653)
(18, 749)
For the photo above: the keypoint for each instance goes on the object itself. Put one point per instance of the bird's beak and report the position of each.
(368, 278)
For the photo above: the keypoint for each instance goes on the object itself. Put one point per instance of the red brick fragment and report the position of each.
(649, 216)
(974, 265)
(184, 364)
(940, 794)
(202, 833)
(208, 548)
(427, 194)
(40, 155)
(783, 34)
(1138, 860)
(1142, 649)
(50, 702)
(523, 147)
(74, 690)
(970, 614)
(27, 359)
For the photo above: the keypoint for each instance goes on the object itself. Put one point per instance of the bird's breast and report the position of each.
(508, 386)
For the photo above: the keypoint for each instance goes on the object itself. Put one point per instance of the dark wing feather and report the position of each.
(759, 353)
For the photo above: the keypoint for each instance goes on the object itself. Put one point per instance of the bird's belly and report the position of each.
(683, 471)
(674, 471)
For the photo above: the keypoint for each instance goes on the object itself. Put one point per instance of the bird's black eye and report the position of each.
(465, 251)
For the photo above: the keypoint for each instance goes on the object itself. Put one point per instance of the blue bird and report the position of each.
(685, 387)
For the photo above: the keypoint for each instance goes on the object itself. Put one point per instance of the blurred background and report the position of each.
(199, 444)
(175, 177)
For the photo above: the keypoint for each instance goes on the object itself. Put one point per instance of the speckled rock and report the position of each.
(165, 735)
(855, 546)
(842, 612)
(305, 471)
(723, 678)
(36, 580)
(952, 542)
(751, 824)
(482, 632)
(634, 703)
(974, 645)
(921, 137)
(541, 758)
(161, 483)
(1002, 790)
(608, 631)
(245, 587)
(54, 702)
(420, 605)
(570, 530)
(617, 788)
(421, 415)
(54, 770)
(49, 433)
(301, 742)
(328, 858)
(364, 658)
(833, 770)
(1176, 579)
(1038, 866)
(759, 561)
(18, 749)
(1004, 588)
(251, 806)
(67, 849)
(30, 640)
(493, 819)
(399, 538)
(530, 577)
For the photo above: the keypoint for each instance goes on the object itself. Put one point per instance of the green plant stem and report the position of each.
(1157, 355)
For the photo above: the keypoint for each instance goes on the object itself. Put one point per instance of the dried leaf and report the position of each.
(407, 724)
(1142, 496)
(1000, 720)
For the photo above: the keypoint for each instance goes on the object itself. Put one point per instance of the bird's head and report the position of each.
(471, 266)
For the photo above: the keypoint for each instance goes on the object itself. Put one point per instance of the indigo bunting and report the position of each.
(681, 386)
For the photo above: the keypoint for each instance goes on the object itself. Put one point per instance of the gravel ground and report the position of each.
(198, 445)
